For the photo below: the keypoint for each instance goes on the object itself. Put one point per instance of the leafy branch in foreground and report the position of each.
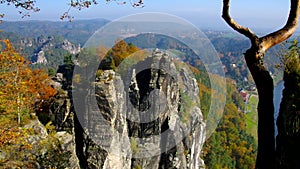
(27, 6)
(289, 56)
(24, 6)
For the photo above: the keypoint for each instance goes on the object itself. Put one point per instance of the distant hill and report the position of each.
(46, 42)
(77, 31)
(229, 45)
(42, 51)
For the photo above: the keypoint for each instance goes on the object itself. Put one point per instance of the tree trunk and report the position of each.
(264, 83)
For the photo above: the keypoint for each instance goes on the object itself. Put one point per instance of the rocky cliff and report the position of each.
(44, 45)
(148, 118)
(288, 122)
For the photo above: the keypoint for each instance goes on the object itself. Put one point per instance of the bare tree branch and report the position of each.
(254, 58)
(82, 4)
(242, 30)
(24, 6)
(284, 33)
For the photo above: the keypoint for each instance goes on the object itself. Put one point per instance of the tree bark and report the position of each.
(264, 82)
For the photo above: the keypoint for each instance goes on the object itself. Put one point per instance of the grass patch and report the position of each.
(252, 117)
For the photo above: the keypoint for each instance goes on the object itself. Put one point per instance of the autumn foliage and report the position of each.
(117, 54)
(21, 88)
(22, 92)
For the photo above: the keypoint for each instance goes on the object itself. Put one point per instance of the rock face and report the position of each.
(46, 149)
(61, 109)
(41, 57)
(288, 122)
(43, 45)
(149, 118)
(73, 49)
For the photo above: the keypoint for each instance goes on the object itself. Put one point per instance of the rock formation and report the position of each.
(149, 118)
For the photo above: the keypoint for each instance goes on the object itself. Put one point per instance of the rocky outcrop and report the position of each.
(288, 122)
(148, 119)
(62, 115)
(61, 112)
(163, 98)
(67, 142)
(42, 45)
(41, 149)
(73, 49)
(40, 58)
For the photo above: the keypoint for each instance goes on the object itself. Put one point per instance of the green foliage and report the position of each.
(138, 167)
(203, 81)
(51, 72)
(292, 60)
(288, 121)
(235, 96)
(54, 156)
(290, 106)
(134, 146)
(186, 104)
(68, 59)
(99, 73)
(252, 116)
(230, 146)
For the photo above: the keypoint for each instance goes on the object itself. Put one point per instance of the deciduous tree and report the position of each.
(254, 57)
(20, 87)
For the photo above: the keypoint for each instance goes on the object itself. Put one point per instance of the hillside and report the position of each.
(43, 51)
(229, 45)
(60, 43)
(77, 31)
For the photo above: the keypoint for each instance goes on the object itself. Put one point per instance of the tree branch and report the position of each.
(242, 30)
(284, 33)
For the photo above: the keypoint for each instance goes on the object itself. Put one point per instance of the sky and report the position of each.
(267, 15)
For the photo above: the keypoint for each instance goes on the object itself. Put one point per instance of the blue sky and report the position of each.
(256, 14)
